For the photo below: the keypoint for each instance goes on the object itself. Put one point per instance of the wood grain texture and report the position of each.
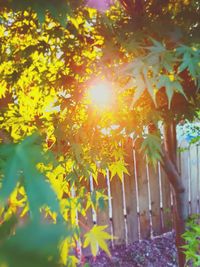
(103, 214)
(117, 210)
(143, 193)
(155, 200)
(194, 177)
(185, 175)
(130, 195)
(167, 212)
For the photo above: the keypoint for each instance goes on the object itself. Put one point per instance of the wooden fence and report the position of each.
(141, 206)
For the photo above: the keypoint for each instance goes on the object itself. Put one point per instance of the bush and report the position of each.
(192, 238)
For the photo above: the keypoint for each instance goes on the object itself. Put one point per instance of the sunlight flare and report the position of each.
(101, 94)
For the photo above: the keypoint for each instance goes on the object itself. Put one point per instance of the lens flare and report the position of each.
(101, 95)
(100, 5)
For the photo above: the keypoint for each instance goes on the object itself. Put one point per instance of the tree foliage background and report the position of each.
(50, 55)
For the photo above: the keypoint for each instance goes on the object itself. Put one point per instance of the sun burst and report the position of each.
(101, 94)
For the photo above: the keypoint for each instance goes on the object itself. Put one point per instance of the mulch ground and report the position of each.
(156, 252)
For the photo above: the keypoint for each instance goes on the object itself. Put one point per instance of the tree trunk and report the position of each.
(170, 167)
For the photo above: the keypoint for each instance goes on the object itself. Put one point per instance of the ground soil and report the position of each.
(156, 252)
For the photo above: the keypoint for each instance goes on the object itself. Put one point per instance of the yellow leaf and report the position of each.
(64, 251)
(72, 261)
(118, 168)
(171, 77)
(97, 237)
(3, 88)
(92, 12)
(2, 31)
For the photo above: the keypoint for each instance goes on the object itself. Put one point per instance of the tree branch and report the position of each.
(172, 172)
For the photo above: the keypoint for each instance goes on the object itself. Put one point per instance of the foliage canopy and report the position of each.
(149, 53)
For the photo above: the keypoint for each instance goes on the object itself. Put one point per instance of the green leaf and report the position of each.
(190, 60)
(151, 147)
(171, 86)
(101, 203)
(94, 197)
(59, 9)
(6, 228)
(33, 245)
(149, 86)
(157, 47)
(71, 177)
(39, 193)
(170, 93)
(21, 162)
(139, 88)
(191, 236)
(11, 176)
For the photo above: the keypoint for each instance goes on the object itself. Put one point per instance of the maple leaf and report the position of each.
(118, 168)
(19, 166)
(151, 146)
(97, 237)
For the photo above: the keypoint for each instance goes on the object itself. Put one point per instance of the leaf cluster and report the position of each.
(191, 236)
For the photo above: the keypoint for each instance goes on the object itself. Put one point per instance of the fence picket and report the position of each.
(198, 181)
(185, 175)
(194, 178)
(130, 194)
(142, 193)
(155, 200)
(103, 214)
(117, 210)
(166, 201)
